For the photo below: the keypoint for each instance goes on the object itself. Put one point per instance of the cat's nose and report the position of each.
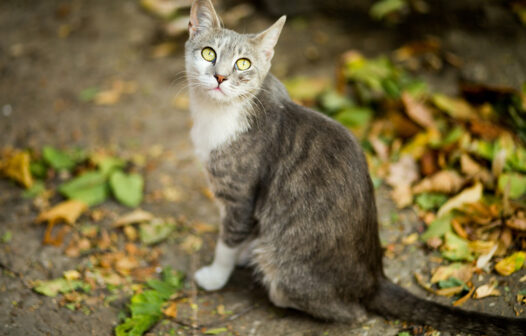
(220, 79)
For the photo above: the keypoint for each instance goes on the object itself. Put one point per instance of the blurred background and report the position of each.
(433, 89)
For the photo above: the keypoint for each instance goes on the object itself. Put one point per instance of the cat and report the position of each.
(295, 197)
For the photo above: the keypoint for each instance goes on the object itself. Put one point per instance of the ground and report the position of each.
(47, 58)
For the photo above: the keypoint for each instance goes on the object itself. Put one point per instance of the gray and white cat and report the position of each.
(295, 196)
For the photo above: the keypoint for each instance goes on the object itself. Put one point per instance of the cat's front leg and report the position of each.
(237, 227)
(215, 275)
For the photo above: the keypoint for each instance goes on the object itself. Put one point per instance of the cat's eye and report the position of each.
(243, 64)
(208, 54)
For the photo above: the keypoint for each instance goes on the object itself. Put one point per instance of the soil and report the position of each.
(50, 51)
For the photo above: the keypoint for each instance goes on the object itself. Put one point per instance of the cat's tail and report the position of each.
(392, 301)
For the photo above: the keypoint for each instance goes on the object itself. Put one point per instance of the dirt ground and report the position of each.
(42, 72)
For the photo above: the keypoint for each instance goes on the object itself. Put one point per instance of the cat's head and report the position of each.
(222, 64)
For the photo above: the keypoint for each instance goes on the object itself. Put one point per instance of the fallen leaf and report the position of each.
(67, 211)
(463, 299)
(430, 201)
(455, 107)
(457, 270)
(484, 259)
(410, 239)
(305, 88)
(516, 223)
(438, 227)
(71, 275)
(515, 182)
(402, 196)
(58, 159)
(486, 290)
(469, 195)
(53, 287)
(418, 111)
(450, 291)
(511, 263)
(90, 188)
(455, 248)
(191, 244)
(136, 216)
(403, 172)
(171, 310)
(17, 168)
(216, 331)
(155, 231)
(201, 227)
(127, 188)
(446, 181)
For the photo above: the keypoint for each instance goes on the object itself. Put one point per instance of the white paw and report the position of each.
(211, 278)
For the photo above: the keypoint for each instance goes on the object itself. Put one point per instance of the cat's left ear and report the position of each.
(202, 17)
(268, 38)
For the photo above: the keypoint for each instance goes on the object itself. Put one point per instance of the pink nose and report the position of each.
(220, 79)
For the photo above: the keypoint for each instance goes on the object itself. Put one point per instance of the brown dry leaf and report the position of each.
(481, 246)
(457, 227)
(136, 216)
(109, 97)
(16, 166)
(131, 233)
(402, 195)
(126, 264)
(417, 111)
(403, 172)
(449, 291)
(487, 290)
(104, 242)
(446, 181)
(420, 280)
(463, 299)
(460, 271)
(208, 193)
(67, 211)
(517, 223)
(71, 275)
(469, 166)
(428, 163)
(469, 195)
(171, 310)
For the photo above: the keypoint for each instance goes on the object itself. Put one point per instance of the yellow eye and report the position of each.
(243, 64)
(208, 54)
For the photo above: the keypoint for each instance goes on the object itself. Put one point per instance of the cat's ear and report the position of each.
(268, 38)
(202, 17)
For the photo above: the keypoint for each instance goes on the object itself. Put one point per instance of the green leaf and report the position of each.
(127, 188)
(88, 94)
(515, 182)
(430, 201)
(38, 169)
(403, 333)
(146, 307)
(36, 189)
(451, 282)
(155, 231)
(6, 237)
(58, 159)
(354, 116)
(90, 188)
(438, 227)
(332, 102)
(385, 7)
(216, 331)
(108, 164)
(54, 287)
(455, 248)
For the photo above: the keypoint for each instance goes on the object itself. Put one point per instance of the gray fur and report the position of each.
(295, 188)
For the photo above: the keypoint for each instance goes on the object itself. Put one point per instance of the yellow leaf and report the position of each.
(67, 211)
(171, 310)
(17, 168)
(192, 244)
(468, 195)
(511, 264)
(71, 275)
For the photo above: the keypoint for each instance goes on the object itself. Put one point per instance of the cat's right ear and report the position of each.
(202, 17)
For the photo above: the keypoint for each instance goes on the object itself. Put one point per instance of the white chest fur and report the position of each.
(214, 125)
